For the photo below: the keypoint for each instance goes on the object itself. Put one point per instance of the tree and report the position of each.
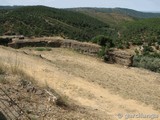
(103, 41)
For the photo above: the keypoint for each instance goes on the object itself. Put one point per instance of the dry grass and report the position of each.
(2, 69)
(2, 74)
(43, 49)
(115, 88)
(3, 80)
(21, 73)
(140, 85)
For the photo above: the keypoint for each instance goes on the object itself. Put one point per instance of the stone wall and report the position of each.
(83, 47)
(114, 56)
(5, 41)
(120, 57)
(20, 44)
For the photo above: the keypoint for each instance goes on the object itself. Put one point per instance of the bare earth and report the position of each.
(89, 82)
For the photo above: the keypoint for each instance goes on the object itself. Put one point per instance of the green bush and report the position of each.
(137, 42)
(103, 41)
(120, 46)
(158, 42)
(102, 52)
(147, 50)
(147, 62)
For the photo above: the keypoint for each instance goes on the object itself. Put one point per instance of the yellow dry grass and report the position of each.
(109, 89)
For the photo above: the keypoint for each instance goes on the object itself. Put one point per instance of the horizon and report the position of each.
(79, 7)
(143, 5)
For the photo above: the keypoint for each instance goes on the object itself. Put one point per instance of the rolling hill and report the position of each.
(115, 16)
(45, 21)
(105, 15)
(122, 11)
(121, 25)
(145, 30)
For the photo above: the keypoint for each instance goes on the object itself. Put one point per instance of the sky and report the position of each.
(140, 5)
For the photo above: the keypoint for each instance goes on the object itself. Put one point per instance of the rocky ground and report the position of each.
(22, 99)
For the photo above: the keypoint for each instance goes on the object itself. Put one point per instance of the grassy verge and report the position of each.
(43, 49)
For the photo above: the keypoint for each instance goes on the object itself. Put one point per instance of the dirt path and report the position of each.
(109, 89)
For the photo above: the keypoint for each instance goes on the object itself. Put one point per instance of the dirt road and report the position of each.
(89, 82)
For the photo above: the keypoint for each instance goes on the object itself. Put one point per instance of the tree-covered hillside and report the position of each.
(105, 15)
(121, 11)
(141, 31)
(45, 21)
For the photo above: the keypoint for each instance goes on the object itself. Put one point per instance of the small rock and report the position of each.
(39, 92)
(31, 89)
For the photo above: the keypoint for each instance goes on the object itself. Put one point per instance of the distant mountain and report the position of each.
(123, 11)
(137, 14)
(105, 15)
(9, 7)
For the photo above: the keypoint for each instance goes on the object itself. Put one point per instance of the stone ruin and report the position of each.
(5, 41)
(82, 47)
(120, 57)
(113, 56)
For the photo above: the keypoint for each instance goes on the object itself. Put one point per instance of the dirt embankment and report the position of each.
(108, 89)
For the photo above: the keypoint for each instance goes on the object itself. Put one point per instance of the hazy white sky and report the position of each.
(142, 5)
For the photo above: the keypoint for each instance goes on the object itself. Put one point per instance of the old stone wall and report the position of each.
(113, 56)
(5, 41)
(120, 57)
(83, 47)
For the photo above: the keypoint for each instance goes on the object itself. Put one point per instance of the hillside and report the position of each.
(79, 23)
(45, 21)
(145, 30)
(122, 11)
(83, 24)
(106, 15)
(103, 90)
(53, 78)
(115, 16)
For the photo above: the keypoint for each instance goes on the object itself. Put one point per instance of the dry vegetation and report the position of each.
(33, 102)
(88, 82)
(131, 83)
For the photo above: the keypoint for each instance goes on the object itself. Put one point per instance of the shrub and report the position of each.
(147, 62)
(137, 52)
(62, 102)
(158, 42)
(147, 49)
(120, 46)
(103, 41)
(137, 42)
(102, 52)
